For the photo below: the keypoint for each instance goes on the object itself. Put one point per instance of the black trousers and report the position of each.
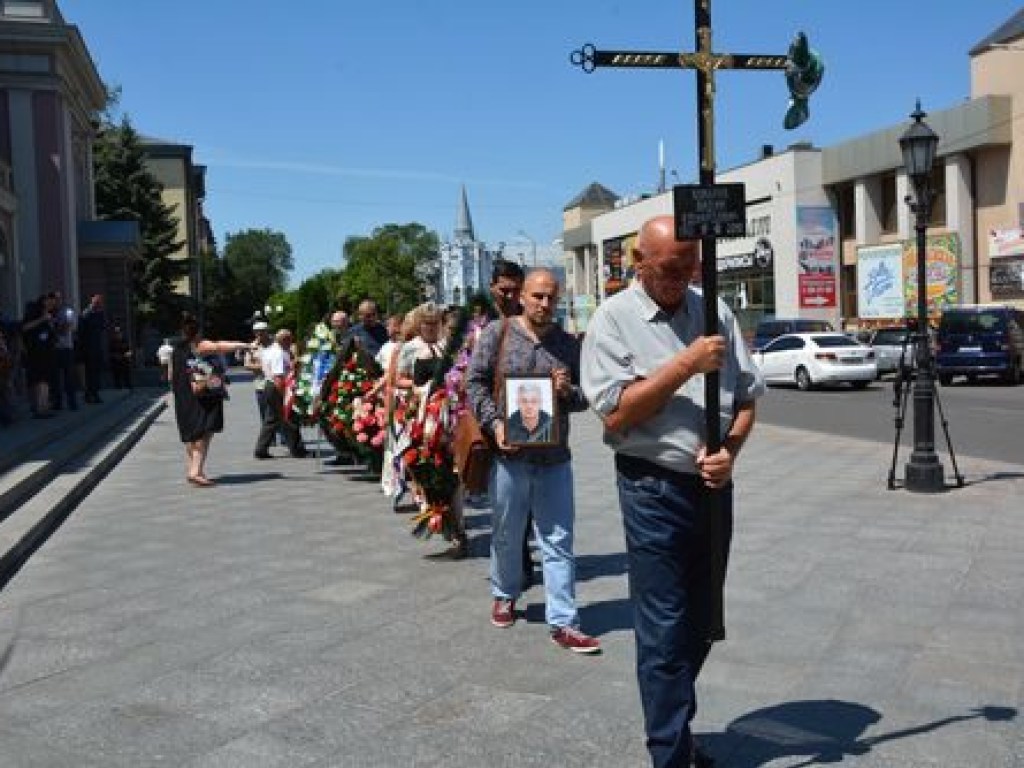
(273, 421)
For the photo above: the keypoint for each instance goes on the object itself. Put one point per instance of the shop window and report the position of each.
(24, 9)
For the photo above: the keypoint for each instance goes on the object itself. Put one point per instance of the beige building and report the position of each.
(184, 189)
(975, 238)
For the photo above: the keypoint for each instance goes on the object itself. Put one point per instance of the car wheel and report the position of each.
(1012, 377)
(945, 379)
(803, 379)
(859, 384)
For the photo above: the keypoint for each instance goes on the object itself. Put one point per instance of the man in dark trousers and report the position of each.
(644, 360)
(92, 329)
(277, 363)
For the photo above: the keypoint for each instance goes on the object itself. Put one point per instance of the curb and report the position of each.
(40, 524)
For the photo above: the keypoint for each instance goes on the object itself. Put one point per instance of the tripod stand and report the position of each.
(902, 387)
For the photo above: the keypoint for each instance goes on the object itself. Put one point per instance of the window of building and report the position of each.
(25, 9)
(888, 213)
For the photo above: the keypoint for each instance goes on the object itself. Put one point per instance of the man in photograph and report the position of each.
(529, 423)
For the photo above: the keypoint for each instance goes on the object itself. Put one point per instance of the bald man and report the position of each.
(526, 477)
(644, 361)
(369, 332)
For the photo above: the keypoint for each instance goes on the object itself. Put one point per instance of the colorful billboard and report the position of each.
(880, 281)
(816, 256)
(942, 260)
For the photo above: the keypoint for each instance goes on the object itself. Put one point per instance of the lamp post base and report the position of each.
(925, 474)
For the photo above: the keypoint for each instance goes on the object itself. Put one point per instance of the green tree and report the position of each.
(126, 190)
(258, 262)
(389, 265)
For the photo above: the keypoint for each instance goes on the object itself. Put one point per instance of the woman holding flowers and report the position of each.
(199, 387)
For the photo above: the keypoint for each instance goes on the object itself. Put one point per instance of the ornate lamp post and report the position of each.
(924, 471)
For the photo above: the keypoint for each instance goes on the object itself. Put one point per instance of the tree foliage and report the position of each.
(126, 190)
(389, 265)
(258, 262)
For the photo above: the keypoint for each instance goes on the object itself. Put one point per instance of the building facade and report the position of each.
(50, 93)
(975, 243)
(787, 264)
(829, 234)
(465, 261)
(184, 190)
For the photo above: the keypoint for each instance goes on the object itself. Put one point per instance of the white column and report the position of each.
(960, 219)
(904, 226)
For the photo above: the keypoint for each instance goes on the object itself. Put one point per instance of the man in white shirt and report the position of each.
(277, 364)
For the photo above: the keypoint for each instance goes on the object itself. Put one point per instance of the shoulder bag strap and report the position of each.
(499, 364)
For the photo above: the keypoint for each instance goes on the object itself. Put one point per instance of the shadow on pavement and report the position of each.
(995, 477)
(595, 566)
(823, 731)
(248, 477)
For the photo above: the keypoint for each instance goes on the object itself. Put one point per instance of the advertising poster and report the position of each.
(880, 281)
(816, 256)
(1006, 278)
(942, 260)
(1005, 242)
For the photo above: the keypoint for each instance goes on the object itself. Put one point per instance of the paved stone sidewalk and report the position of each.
(287, 618)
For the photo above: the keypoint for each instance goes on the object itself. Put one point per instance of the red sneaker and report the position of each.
(503, 613)
(575, 641)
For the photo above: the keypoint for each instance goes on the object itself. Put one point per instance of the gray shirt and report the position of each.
(628, 338)
(523, 355)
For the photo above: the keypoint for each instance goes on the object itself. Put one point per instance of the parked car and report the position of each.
(890, 345)
(981, 340)
(810, 359)
(772, 327)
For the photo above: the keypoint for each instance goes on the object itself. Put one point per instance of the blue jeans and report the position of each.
(516, 487)
(670, 586)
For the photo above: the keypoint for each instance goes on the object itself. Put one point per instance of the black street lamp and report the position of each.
(924, 471)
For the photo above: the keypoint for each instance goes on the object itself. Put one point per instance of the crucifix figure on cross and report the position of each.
(804, 70)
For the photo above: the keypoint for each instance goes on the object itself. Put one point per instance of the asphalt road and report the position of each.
(986, 420)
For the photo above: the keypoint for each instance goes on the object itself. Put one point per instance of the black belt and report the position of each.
(634, 468)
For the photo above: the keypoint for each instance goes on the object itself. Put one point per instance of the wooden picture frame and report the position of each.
(530, 411)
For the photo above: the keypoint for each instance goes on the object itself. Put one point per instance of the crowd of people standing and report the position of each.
(53, 357)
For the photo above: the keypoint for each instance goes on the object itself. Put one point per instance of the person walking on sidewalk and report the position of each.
(199, 387)
(536, 478)
(506, 290)
(277, 364)
(643, 363)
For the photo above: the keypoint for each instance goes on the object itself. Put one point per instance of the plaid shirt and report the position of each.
(524, 356)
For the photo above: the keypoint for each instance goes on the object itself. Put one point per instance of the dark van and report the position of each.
(771, 327)
(980, 340)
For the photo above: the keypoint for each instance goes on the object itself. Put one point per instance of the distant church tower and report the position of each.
(465, 262)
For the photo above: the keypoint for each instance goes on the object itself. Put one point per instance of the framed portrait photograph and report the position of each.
(531, 411)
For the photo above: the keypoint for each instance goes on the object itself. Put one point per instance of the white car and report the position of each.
(809, 359)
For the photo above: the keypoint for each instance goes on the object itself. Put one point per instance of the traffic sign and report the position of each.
(710, 210)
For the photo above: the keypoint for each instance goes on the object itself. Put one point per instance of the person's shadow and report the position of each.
(823, 731)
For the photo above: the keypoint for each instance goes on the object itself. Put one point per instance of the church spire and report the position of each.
(463, 223)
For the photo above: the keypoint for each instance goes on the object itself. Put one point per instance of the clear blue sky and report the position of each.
(326, 118)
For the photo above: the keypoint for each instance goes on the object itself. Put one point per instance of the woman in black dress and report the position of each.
(197, 380)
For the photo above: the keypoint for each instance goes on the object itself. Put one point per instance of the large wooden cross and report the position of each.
(803, 71)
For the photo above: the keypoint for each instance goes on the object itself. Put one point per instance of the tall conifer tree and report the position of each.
(126, 190)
